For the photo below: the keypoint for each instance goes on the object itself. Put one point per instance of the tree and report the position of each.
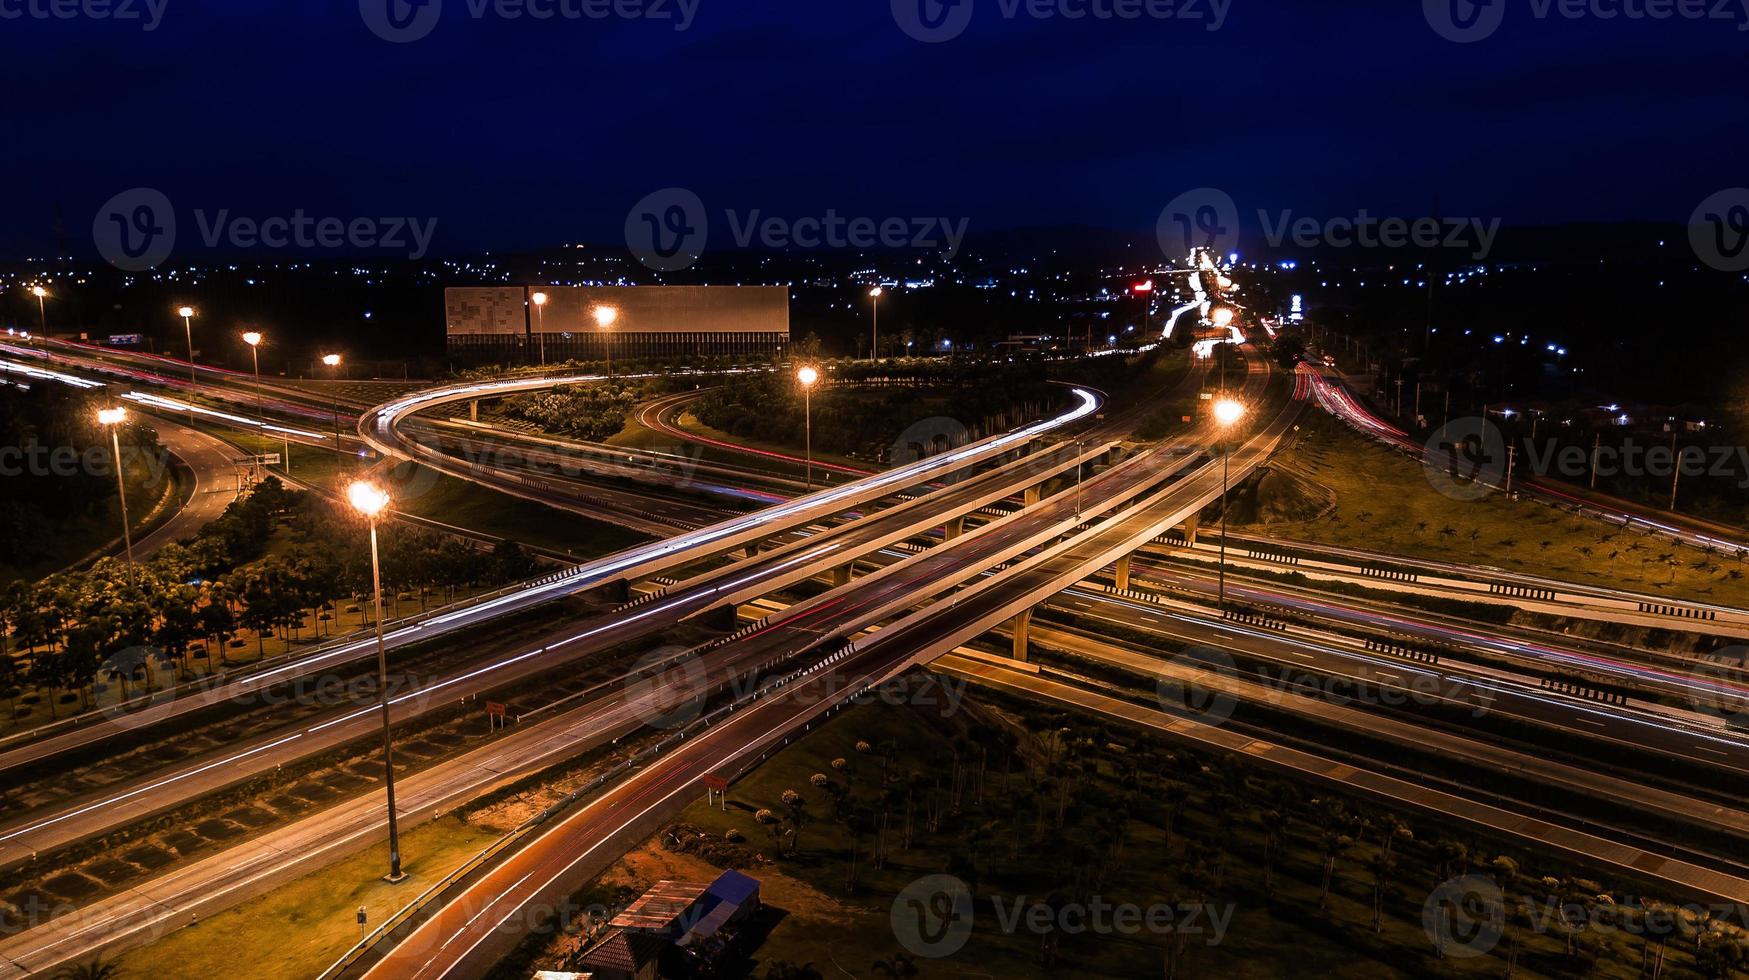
(898, 965)
(96, 969)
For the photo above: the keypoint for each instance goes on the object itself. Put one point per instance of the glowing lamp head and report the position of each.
(1228, 411)
(332, 360)
(252, 338)
(367, 498)
(1223, 317)
(1144, 287)
(185, 312)
(876, 292)
(605, 316)
(807, 376)
(38, 292)
(111, 416)
(540, 299)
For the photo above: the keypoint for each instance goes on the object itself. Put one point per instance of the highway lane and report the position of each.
(464, 937)
(639, 562)
(1657, 675)
(605, 712)
(1629, 728)
(213, 465)
(1683, 878)
(1380, 722)
(47, 828)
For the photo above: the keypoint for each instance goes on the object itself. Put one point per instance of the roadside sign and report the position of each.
(269, 459)
(716, 782)
(496, 708)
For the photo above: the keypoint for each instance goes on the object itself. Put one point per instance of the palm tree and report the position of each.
(94, 970)
(899, 966)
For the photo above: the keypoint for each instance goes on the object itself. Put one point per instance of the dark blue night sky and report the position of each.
(524, 132)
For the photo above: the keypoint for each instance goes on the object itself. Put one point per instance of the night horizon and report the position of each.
(662, 490)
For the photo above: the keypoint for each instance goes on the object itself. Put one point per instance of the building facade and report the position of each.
(505, 324)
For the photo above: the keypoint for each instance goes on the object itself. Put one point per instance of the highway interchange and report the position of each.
(918, 565)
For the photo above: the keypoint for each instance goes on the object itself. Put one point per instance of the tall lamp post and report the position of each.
(112, 418)
(808, 378)
(333, 362)
(187, 315)
(42, 312)
(874, 328)
(371, 501)
(540, 324)
(604, 318)
(1227, 412)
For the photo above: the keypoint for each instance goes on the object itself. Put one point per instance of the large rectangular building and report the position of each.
(648, 321)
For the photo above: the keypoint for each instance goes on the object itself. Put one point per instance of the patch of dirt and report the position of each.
(651, 863)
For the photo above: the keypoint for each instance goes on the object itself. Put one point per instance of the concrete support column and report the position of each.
(955, 527)
(474, 410)
(1033, 494)
(1122, 576)
(1022, 628)
(842, 574)
(1190, 530)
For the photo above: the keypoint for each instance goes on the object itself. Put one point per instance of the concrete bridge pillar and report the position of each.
(1122, 575)
(1034, 494)
(842, 574)
(954, 528)
(1022, 629)
(474, 410)
(1190, 530)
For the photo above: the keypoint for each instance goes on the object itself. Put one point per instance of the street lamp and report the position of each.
(808, 377)
(112, 418)
(253, 339)
(540, 327)
(874, 329)
(370, 500)
(42, 312)
(1227, 412)
(604, 318)
(1222, 317)
(333, 362)
(187, 315)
